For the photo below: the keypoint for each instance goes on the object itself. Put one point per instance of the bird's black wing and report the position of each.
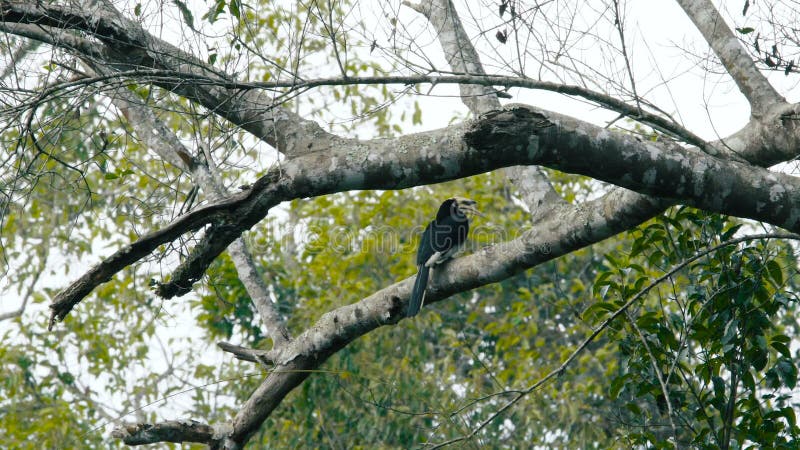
(448, 235)
(425, 249)
(418, 293)
(424, 253)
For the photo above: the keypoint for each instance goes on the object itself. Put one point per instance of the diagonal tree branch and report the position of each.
(535, 189)
(458, 51)
(752, 83)
(585, 225)
(163, 141)
(126, 46)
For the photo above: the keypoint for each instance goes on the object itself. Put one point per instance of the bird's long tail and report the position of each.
(418, 294)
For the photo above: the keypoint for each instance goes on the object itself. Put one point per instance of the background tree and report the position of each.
(255, 161)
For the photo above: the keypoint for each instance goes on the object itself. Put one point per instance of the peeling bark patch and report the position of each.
(776, 192)
(359, 313)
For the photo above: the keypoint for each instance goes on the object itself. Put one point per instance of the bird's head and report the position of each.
(458, 206)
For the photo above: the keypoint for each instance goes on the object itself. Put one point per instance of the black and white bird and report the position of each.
(442, 238)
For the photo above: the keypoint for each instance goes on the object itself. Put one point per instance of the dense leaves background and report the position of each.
(706, 359)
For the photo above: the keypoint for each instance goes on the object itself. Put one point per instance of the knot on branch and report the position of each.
(510, 126)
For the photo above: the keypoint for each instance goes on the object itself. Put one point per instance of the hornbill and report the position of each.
(442, 238)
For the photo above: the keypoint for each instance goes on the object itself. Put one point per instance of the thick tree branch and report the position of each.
(177, 431)
(685, 175)
(221, 211)
(517, 135)
(752, 83)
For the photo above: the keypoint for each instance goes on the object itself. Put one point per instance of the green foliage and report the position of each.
(722, 324)
(398, 386)
(712, 343)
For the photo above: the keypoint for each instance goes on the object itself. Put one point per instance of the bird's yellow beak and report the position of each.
(468, 206)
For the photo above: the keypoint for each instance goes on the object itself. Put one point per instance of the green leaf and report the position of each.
(745, 30)
(789, 414)
(234, 8)
(775, 272)
(728, 234)
(416, 118)
(787, 371)
(634, 408)
(783, 349)
(214, 12)
(617, 384)
(185, 12)
(719, 388)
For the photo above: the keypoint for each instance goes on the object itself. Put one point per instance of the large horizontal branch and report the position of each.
(177, 431)
(681, 174)
(516, 135)
(522, 135)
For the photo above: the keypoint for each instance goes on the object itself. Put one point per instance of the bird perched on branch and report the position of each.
(442, 238)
